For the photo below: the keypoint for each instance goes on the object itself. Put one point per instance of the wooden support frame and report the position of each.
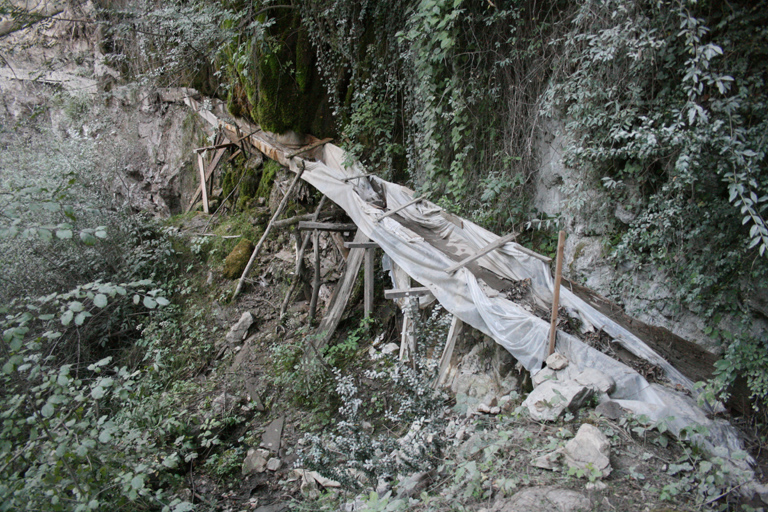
(400, 208)
(361, 245)
(203, 180)
(482, 252)
(205, 177)
(341, 294)
(308, 148)
(327, 226)
(368, 282)
(278, 212)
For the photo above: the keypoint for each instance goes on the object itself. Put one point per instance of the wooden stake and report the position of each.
(401, 207)
(556, 293)
(208, 173)
(278, 212)
(445, 360)
(299, 260)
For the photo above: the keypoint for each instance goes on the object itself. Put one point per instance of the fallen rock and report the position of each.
(589, 450)
(550, 400)
(610, 409)
(223, 403)
(239, 331)
(544, 499)
(274, 464)
(550, 461)
(413, 484)
(235, 263)
(255, 461)
(390, 348)
(598, 380)
(271, 438)
(556, 361)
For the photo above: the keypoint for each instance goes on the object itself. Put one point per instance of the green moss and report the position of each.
(267, 179)
(235, 263)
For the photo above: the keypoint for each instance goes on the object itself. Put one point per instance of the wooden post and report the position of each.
(278, 212)
(203, 186)
(556, 292)
(315, 277)
(368, 283)
(450, 344)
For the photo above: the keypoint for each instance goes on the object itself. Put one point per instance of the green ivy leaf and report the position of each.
(47, 410)
(149, 302)
(162, 301)
(64, 234)
(66, 318)
(80, 318)
(100, 300)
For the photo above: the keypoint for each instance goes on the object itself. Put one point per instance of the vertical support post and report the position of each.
(203, 186)
(556, 293)
(315, 276)
(368, 282)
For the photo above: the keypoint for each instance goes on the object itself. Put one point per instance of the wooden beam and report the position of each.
(341, 294)
(234, 155)
(556, 294)
(364, 245)
(278, 212)
(450, 343)
(410, 292)
(327, 226)
(368, 282)
(308, 148)
(315, 276)
(482, 252)
(529, 252)
(217, 146)
(203, 180)
(399, 208)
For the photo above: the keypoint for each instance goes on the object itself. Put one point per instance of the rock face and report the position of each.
(557, 361)
(544, 499)
(590, 450)
(235, 263)
(551, 399)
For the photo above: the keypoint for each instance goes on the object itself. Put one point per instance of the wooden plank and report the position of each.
(529, 252)
(308, 148)
(327, 226)
(482, 252)
(216, 146)
(556, 294)
(450, 343)
(364, 245)
(203, 187)
(368, 282)
(300, 260)
(409, 292)
(234, 155)
(278, 212)
(341, 294)
(399, 208)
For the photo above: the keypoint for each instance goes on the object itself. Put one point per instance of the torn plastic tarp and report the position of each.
(517, 330)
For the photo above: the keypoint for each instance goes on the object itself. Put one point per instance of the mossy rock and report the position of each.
(235, 263)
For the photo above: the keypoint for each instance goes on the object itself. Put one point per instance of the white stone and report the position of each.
(557, 361)
(589, 449)
(544, 499)
(550, 400)
(598, 380)
(543, 376)
(239, 331)
(274, 464)
(255, 461)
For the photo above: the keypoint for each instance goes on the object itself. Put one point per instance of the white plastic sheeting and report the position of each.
(524, 335)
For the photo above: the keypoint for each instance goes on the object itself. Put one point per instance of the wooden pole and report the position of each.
(556, 293)
(368, 282)
(299, 260)
(278, 212)
(315, 277)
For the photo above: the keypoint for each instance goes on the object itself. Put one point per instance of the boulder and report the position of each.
(557, 361)
(589, 450)
(551, 399)
(544, 499)
(238, 332)
(601, 382)
(543, 376)
(274, 464)
(235, 263)
(610, 409)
